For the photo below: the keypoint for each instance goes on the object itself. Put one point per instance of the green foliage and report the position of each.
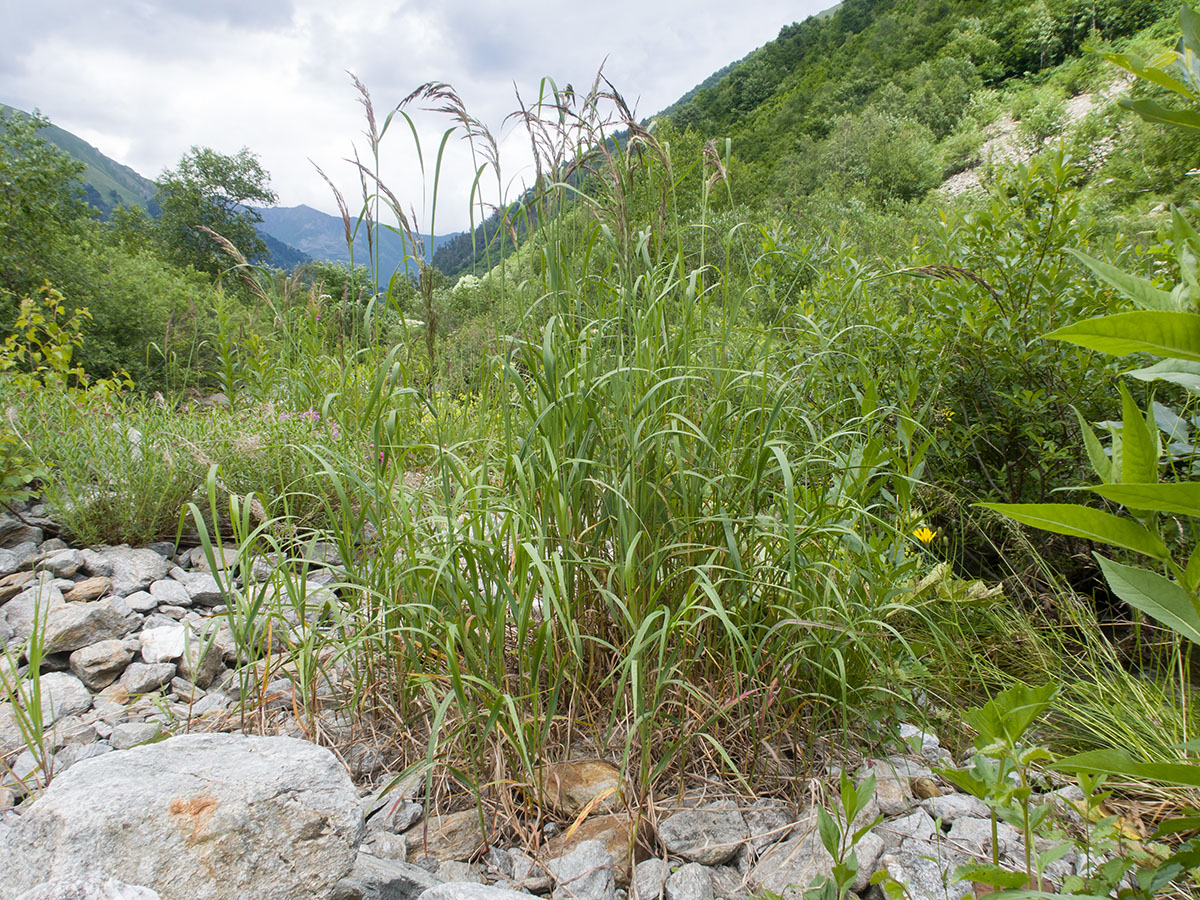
(40, 207)
(840, 834)
(214, 190)
(1011, 433)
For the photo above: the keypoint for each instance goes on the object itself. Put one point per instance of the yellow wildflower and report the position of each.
(924, 535)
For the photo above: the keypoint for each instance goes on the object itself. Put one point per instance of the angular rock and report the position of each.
(200, 586)
(455, 871)
(767, 821)
(396, 817)
(917, 826)
(8, 562)
(126, 735)
(21, 534)
(453, 836)
(142, 678)
(951, 807)
(163, 643)
(709, 835)
(200, 661)
(585, 873)
(790, 867)
(207, 806)
(385, 879)
(528, 874)
(38, 600)
(893, 793)
(141, 602)
(98, 665)
(728, 883)
(568, 787)
(169, 592)
(96, 564)
(89, 888)
(59, 563)
(470, 891)
(89, 589)
(649, 877)
(973, 837)
(689, 882)
(922, 877)
(63, 695)
(134, 570)
(212, 702)
(11, 585)
(70, 626)
(612, 831)
(73, 753)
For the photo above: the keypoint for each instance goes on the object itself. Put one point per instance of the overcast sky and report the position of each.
(143, 80)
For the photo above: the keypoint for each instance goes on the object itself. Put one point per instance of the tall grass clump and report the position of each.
(663, 551)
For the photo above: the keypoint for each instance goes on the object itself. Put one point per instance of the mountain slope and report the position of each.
(107, 183)
(323, 236)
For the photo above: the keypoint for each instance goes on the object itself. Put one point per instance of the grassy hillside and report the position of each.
(106, 182)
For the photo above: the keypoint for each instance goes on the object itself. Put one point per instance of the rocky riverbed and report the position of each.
(134, 786)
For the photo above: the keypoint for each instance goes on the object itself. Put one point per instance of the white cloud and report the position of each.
(144, 81)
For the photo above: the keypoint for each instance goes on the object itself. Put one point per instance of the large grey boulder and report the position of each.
(196, 817)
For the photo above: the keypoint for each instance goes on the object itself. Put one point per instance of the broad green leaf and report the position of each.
(1133, 64)
(1191, 574)
(1171, 334)
(1139, 443)
(988, 874)
(1172, 427)
(1158, 597)
(1007, 715)
(1176, 826)
(1189, 25)
(1096, 455)
(1173, 371)
(1177, 497)
(829, 831)
(1085, 522)
(1120, 764)
(1140, 290)
(1162, 115)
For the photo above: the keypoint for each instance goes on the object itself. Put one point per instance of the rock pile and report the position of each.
(135, 646)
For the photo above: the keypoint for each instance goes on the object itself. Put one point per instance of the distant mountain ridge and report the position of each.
(293, 234)
(323, 236)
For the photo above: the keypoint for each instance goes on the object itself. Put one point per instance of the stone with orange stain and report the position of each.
(195, 817)
(571, 787)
